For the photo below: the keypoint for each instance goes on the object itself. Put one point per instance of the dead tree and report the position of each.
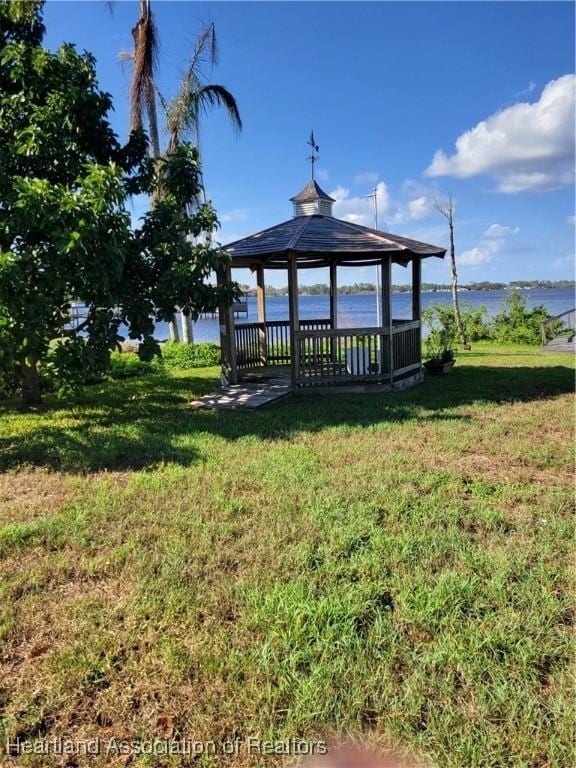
(446, 209)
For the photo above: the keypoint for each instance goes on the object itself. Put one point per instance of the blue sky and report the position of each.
(416, 98)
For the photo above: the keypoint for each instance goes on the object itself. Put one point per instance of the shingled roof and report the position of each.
(320, 240)
(311, 191)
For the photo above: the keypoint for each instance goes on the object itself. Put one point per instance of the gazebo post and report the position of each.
(294, 319)
(387, 351)
(261, 309)
(227, 336)
(333, 307)
(416, 288)
(333, 296)
(417, 302)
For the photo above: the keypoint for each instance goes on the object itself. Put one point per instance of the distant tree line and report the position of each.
(322, 289)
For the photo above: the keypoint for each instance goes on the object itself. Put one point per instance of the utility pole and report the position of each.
(374, 197)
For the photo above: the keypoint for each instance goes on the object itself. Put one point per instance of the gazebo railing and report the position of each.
(326, 356)
(357, 354)
(268, 343)
(407, 346)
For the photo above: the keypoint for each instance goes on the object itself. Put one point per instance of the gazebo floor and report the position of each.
(259, 387)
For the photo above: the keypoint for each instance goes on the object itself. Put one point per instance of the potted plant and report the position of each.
(439, 347)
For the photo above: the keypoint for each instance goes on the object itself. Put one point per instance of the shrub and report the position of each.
(177, 355)
(473, 319)
(515, 324)
(127, 365)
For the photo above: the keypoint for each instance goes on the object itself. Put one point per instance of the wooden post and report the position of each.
(227, 336)
(333, 307)
(417, 303)
(387, 350)
(333, 296)
(416, 288)
(261, 307)
(294, 320)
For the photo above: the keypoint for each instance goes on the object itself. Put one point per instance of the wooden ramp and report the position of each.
(565, 343)
(248, 395)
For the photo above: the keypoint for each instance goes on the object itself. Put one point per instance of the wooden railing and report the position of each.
(357, 354)
(558, 325)
(268, 343)
(326, 356)
(248, 348)
(406, 346)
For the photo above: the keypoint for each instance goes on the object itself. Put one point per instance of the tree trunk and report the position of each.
(187, 330)
(457, 315)
(173, 330)
(30, 386)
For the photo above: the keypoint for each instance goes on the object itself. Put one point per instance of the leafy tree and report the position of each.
(65, 233)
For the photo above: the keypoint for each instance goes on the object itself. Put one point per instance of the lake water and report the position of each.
(359, 310)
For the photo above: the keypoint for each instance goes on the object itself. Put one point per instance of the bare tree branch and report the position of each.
(446, 208)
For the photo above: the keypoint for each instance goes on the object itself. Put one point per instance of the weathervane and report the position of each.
(315, 149)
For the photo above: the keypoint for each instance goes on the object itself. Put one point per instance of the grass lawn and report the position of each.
(388, 565)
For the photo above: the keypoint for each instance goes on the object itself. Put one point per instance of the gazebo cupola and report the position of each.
(312, 201)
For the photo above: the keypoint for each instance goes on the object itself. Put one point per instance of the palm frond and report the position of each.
(218, 96)
(145, 59)
(205, 49)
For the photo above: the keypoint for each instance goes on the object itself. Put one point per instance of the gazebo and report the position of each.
(317, 354)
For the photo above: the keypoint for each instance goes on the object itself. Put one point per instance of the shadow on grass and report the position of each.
(142, 423)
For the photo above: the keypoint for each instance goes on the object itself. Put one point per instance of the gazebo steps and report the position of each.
(247, 395)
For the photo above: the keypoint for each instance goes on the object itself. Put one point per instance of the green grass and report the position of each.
(394, 566)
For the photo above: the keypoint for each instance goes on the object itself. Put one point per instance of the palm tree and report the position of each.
(144, 68)
(144, 60)
(183, 112)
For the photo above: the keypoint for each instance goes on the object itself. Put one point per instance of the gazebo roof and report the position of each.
(321, 240)
(312, 191)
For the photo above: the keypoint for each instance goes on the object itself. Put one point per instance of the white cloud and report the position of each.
(571, 220)
(415, 203)
(420, 207)
(366, 177)
(528, 146)
(322, 174)
(474, 257)
(525, 91)
(238, 214)
(564, 261)
(496, 231)
(494, 240)
(360, 210)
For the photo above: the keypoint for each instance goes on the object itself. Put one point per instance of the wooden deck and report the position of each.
(248, 395)
(258, 390)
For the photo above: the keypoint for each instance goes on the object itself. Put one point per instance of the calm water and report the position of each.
(360, 310)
